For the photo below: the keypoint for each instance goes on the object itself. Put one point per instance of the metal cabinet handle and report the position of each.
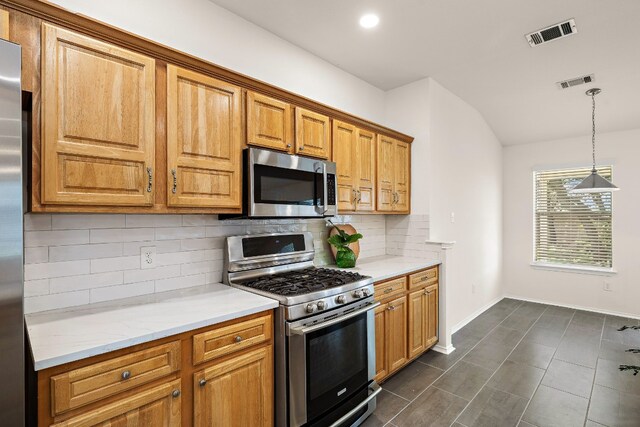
(288, 145)
(238, 338)
(386, 291)
(202, 382)
(175, 181)
(176, 393)
(359, 195)
(126, 375)
(391, 308)
(301, 147)
(150, 182)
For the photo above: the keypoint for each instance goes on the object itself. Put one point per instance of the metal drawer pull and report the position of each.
(176, 393)
(391, 308)
(126, 375)
(238, 338)
(150, 183)
(175, 181)
(202, 382)
(308, 329)
(386, 291)
(375, 389)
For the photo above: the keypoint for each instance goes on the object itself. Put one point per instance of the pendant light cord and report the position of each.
(593, 127)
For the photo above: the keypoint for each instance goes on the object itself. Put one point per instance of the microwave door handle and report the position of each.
(325, 192)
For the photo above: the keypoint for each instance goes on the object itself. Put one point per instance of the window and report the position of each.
(571, 229)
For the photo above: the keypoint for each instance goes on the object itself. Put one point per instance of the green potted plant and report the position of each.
(345, 257)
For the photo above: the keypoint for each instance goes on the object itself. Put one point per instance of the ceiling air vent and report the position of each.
(566, 84)
(557, 31)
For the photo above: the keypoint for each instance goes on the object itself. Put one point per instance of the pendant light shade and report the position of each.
(594, 183)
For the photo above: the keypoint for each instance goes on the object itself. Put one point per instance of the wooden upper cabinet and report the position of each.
(393, 175)
(344, 151)
(98, 122)
(156, 407)
(385, 173)
(269, 123)
(354, 151)
(235, 392)
(365, 166)
(204, 141)
(313, 134)
(402, 167)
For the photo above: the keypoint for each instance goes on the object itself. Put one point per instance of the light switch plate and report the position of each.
(147, 257)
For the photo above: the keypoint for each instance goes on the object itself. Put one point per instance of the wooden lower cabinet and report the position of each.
(163, 384)
(423, 319)
(406, 322)
(156, 407)
(236, 392)
(391, 336)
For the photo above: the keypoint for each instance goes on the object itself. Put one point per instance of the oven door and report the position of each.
(331, 360)
(283, 185)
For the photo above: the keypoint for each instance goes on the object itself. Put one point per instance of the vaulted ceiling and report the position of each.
(477, 50)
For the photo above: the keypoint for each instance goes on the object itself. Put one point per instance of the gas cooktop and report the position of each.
(299, 282)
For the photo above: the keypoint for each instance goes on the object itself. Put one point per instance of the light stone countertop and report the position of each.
(388, 266)
(66, 335)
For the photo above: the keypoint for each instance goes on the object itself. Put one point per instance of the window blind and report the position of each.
(572, 229)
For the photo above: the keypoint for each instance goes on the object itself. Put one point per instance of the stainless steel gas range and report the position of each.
(324, 329)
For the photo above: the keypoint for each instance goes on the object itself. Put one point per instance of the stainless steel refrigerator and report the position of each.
(12, 373)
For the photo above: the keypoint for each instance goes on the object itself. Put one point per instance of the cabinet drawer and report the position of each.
(225, 340)
(390, 288)
(94, 382)
(426, 277)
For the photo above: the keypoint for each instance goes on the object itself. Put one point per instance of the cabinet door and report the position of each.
(98, 122)
(431, 297)
(402, 175)
(397, 333)
(417, 322)
(312, 134)
(155, 407)
(269, 122)
(204, 140)
(380, 316)
(236, 392)
(385, 173)
(344, 151)
(365, 165)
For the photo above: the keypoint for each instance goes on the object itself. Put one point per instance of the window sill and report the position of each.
(598, 271)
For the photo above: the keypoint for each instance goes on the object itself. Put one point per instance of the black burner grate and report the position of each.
(300, 282)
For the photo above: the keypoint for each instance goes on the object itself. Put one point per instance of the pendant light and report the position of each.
(594, 183)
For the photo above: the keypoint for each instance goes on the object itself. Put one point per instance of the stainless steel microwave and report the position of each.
(278, 185)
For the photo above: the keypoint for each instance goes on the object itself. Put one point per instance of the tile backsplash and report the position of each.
(74, 259)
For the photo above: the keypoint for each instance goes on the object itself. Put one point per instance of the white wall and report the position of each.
(204, 29)
(622, 150)
(456, 167)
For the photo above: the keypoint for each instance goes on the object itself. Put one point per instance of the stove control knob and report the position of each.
(357, 293)
(311, 308)
(365, 292)
(341, 299)
(322, 305)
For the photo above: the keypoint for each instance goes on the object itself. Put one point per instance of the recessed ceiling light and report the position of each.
(369, 20)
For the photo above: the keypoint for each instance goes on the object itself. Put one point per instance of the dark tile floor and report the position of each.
(521, 364)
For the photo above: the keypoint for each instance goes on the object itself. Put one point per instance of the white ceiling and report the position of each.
(477, 50)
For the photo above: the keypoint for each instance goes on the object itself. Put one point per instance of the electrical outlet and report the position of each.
(147, 257)
(607, 286)
(453, 217)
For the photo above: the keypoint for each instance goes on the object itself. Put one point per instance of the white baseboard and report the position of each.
(575, 307)
(444, 350)
(476, 313)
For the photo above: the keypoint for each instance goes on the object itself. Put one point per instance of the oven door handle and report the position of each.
(375, 389)
(308, 329)
(325, 191)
